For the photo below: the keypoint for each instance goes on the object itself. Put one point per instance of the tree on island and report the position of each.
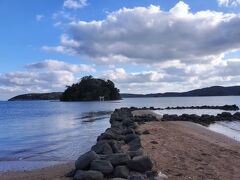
(90, 89)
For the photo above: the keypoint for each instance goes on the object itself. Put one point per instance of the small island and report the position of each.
(91, 89)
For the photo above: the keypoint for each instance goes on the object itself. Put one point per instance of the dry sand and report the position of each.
(184, 150)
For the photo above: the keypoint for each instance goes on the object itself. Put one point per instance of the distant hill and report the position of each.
(209, 91)
(37, 96)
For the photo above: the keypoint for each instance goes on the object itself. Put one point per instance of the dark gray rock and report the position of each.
(121, 171)
(116, 159)
(146, 132)
(140, 164)
(102, 165)
(154, 142)
(83, 162)
(88, 175)
(152, 175)
(136, 177)
(71, 173)
(128, 131)
(132, 154)
(135, 144)
(130, 137)
(118, 179)
(102, 147)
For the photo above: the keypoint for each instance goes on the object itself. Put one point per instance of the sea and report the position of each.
(36, 134)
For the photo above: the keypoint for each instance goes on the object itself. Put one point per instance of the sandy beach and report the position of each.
(184, 150)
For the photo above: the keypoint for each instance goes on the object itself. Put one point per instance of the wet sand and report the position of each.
(184, 150)
(50, 173)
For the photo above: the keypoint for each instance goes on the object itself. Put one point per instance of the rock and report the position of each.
(130, 137)
(102, 147)
(128, 122)
(226, 115)
(146, 132)
(128, 131)
(237, 115)
(152, 175)
(154, 142)
(121, 171)
(71, 173)
(136, 177)
(88, 175)
(116, 159)
(118, 179)
(140, 164)
(83, 162)
(132, 154)
(102, 165)
(135, 144)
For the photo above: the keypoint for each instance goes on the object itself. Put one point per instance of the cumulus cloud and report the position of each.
(144, 35)
(229, 3)
(75, 4)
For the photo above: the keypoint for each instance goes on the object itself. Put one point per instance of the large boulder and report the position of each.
(130, 137)
(116, 159)
(88, 175)
(102, 165)
(140, 164)
(83, 162)
(121, 171)
(132, 154)
(102, 147)
(135, 144)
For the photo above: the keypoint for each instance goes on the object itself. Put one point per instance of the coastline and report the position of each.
(174, 147)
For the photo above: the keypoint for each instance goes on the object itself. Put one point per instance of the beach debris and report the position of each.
(162, 176)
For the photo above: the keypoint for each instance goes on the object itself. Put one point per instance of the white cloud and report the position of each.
(149, 35)
(229, 3)
(75, 4)
(57, 65)
(39, 17)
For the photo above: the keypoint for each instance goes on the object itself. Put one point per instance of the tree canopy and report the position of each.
(90, 89)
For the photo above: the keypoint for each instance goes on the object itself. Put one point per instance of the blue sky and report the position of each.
(64, 38)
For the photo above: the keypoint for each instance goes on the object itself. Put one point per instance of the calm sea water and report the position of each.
(35, 134)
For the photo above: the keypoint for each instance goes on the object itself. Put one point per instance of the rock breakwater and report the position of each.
(118, 153)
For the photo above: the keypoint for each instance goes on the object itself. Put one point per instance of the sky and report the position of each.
(146, 46)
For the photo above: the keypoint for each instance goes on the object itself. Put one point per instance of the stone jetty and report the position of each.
(118, 152)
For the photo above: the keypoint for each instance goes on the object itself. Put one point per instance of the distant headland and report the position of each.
(209, 91)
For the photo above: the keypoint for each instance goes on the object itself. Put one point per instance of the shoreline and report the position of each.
(197, 132)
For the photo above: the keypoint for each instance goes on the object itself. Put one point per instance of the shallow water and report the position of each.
(38, 133)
